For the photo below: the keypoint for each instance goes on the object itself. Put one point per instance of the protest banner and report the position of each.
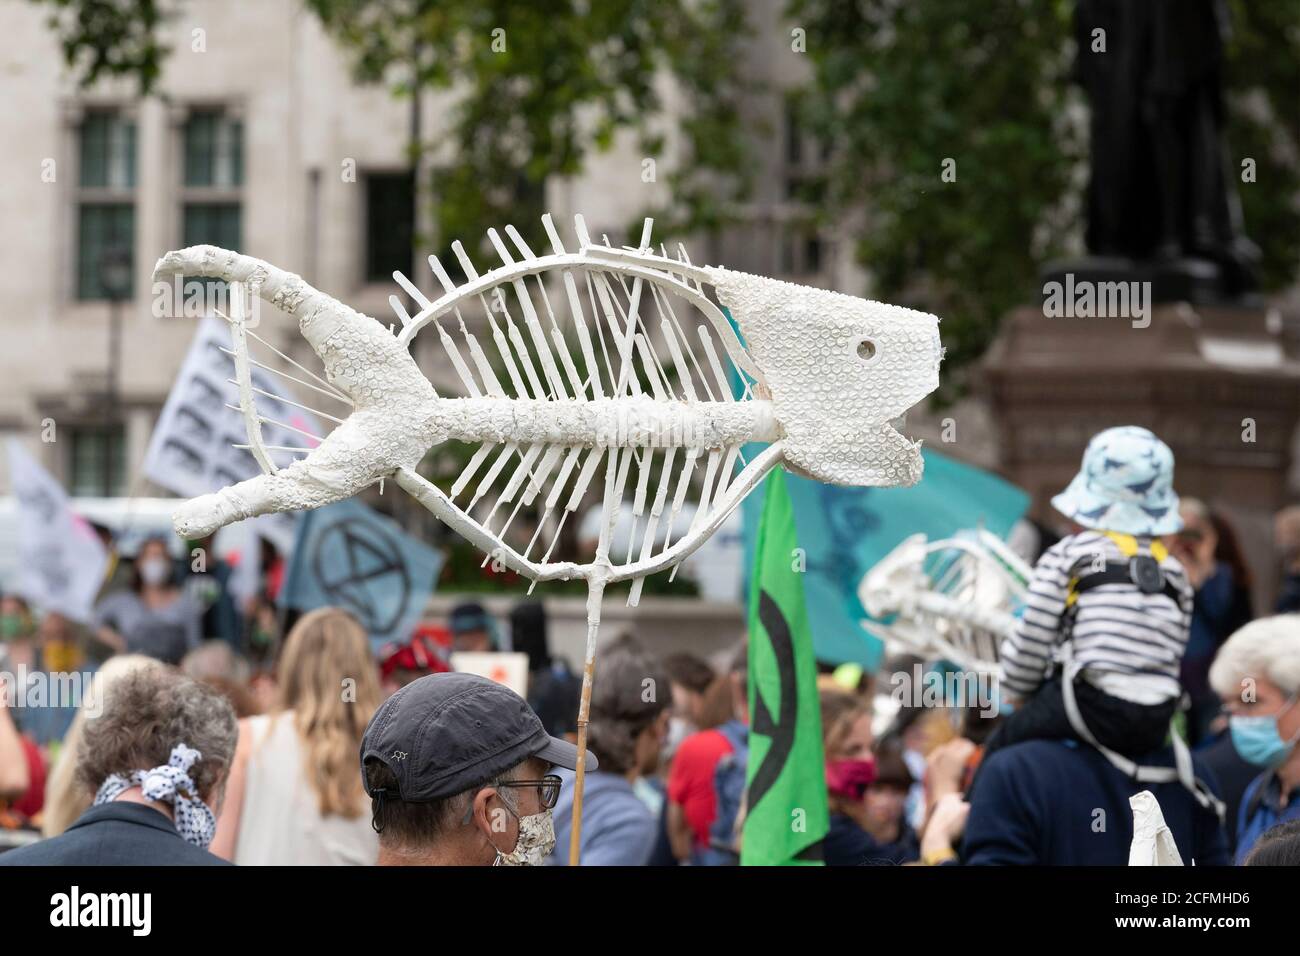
(504, 667)
(192, 450)
(62, 561)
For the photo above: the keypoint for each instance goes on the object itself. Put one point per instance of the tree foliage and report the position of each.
(106, 38)
(536, 85)
(898, 87)
(1263, 100)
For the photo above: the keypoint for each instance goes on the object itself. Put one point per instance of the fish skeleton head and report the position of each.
(841, 371)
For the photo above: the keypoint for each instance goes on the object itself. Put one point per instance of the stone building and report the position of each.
(259, 139)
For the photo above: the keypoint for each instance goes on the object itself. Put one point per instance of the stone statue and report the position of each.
(1161, 188)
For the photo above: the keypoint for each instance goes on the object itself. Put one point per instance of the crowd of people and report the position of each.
(204, 737)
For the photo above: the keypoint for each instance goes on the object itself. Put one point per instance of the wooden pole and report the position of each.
(614, 479)
(595, 591)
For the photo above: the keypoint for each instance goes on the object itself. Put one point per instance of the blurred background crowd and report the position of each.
(672, 764)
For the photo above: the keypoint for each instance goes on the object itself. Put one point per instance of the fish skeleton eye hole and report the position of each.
(866, 350)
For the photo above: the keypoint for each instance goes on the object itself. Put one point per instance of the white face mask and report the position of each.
(679, 728)
(155, 571)
(535, 843)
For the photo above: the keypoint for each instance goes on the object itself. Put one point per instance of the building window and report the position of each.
(107, 150)
(804, 186)
(390, 225)
(105, 217)
(212, 223)
(212, 179)
(801, 252)
(214, 150)
(97, 468)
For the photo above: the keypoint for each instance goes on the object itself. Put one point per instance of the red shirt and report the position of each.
(30, 803)
(690, 780)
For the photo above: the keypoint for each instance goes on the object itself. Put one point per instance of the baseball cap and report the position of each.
(445, 733)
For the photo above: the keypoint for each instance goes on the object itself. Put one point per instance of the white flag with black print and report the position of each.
(61, 560)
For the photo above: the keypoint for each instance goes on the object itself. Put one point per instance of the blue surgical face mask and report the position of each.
(1257, 739)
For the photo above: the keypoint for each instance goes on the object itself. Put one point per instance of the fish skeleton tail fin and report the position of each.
(282, 289)
(348, 342)
(352, 457)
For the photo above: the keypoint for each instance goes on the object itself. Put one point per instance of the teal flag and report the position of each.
(845, 531)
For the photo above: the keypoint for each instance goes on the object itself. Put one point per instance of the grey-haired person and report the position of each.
(1257, 676)
(156, 760)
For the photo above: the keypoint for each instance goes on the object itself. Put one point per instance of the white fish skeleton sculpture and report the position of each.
(953, 598)
(613, 355)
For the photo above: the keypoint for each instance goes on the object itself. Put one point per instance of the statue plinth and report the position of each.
(1215, 382)
(1195, 280)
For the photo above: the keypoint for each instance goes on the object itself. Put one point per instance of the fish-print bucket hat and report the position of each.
(1125, 484)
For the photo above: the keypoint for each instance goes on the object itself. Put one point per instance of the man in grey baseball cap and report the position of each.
(458, 772)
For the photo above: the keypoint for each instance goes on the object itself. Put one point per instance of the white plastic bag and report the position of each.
(1153, 843)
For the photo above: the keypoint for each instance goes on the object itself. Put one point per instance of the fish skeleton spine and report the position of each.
(398, 416)
(628, 422)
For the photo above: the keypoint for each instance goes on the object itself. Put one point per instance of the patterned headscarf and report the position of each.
(172, 785)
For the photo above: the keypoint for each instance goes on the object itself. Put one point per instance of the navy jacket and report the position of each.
(1037, 802)
(1233, 775)
(114, 834)
(847, 844)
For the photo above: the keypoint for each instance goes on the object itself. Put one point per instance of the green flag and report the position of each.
(787, 815)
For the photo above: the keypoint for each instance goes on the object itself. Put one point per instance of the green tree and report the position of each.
(900, 87)
(903, 92)
(104, 38)
(535, 85)
(1263, 99)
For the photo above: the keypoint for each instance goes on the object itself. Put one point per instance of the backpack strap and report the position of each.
(1129, 547)
(1123, 572)
(1182, 771)
(736, 734)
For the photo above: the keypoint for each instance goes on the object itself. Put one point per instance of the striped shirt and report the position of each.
(1128, 643)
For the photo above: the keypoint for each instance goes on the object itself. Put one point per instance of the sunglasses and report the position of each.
(548, 789)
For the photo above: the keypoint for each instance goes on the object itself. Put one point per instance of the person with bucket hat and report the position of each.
(1096, 654)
